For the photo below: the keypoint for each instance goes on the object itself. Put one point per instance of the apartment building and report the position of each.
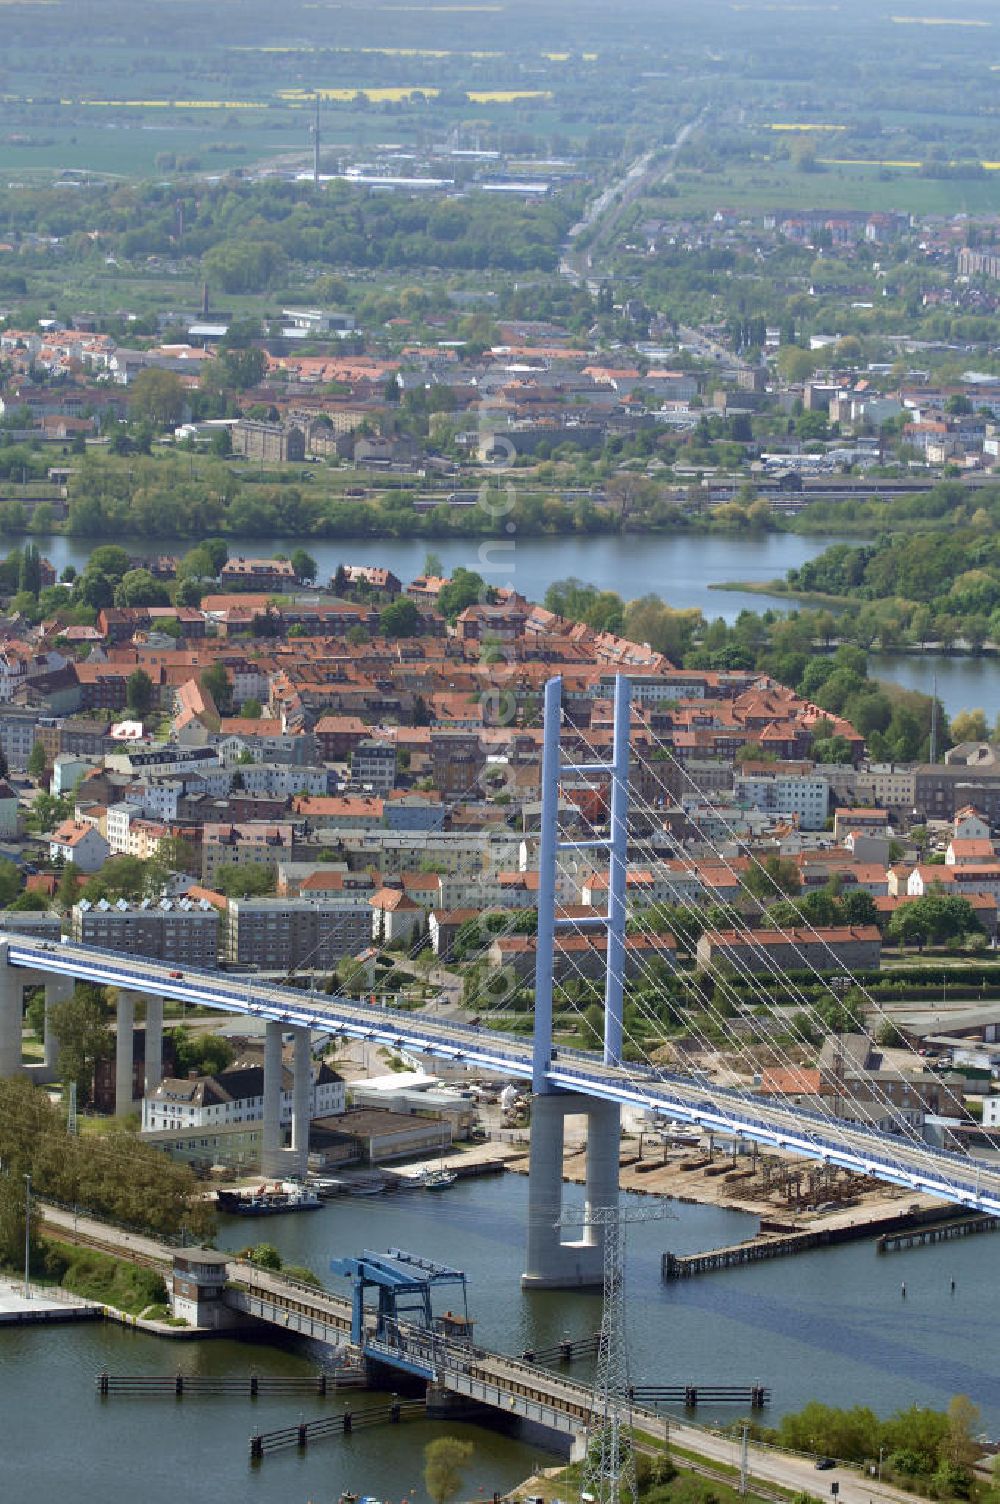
(839, 948)
(257, 574)
(313, 933)
(804, 797)
(580, 955)
(281, 780)
(80, 843)
(255, 842)
(183, 929)
(18, 734)
(373, 765)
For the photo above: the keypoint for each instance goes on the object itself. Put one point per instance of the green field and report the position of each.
(778, 185)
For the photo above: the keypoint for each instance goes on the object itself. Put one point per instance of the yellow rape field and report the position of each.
(377, 96)
(887, 162)
(506, 96)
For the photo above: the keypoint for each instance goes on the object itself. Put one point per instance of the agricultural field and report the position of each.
(857, 185)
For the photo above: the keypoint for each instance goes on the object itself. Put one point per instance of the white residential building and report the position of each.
(79, 843)
(804, 796)
(235, 1096)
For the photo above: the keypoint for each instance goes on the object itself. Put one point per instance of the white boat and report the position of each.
(439, 1180)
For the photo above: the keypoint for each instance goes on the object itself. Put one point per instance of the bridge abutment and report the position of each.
(553, 1261)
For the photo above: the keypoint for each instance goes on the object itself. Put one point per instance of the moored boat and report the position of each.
(439, 1180)
(269, 1200)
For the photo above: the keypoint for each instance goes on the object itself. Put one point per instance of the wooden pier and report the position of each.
(917, 1237)
(757, 1396)
(332, 1425)
(919, 1226)
(252, 1385)
(566, 1351)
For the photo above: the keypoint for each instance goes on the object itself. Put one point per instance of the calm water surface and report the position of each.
(682, 570)
(962, 683)
(829, 1324)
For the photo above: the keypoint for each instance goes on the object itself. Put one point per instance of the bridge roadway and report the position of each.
(916, 1166)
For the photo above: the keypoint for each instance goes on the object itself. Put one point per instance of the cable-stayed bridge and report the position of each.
(954, 1177)
(564, 1082)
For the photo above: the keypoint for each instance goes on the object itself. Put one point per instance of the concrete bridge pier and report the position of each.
(58, 989)
(275, 1158)
(153, 1069)
(560, 1257)
(124, 1052)
(301, 1099)
(11, 1015)
(272, 1161)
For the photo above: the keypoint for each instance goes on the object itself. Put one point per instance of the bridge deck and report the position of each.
(897, 1161)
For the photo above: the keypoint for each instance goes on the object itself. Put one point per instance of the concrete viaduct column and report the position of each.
(153, 1072)
(555, 1261)
(124, 1052)
(58, 989)
(301, 1099)
(11, 1015)
(271, 1155)
(603, 1165)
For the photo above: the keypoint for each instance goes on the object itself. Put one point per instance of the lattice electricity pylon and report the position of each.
(609, 1461)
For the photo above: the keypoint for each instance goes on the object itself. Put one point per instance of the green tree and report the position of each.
(29, 577)
(36, 761)
(10, 883)
(465, 588)
(400, 619)
(81, 1026)
(139, 588)
(859, 907)
(252, 880)
(218, 684)
(445, 1461)
(304, 564)
(264, 1256)
(774, 874)
(139, 693)
(962, 1450)
(13, 1208)
(969, 726)
(120, 877)
(206, 1054)
(69, 887)
(110, 559)
(156, 397)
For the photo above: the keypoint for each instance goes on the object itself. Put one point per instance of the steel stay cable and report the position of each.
(840, 1130)
(807, 964)
(710, 1047)
(754, 982)
(876, 1088)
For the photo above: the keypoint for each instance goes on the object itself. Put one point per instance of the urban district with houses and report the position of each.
(368, 821)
